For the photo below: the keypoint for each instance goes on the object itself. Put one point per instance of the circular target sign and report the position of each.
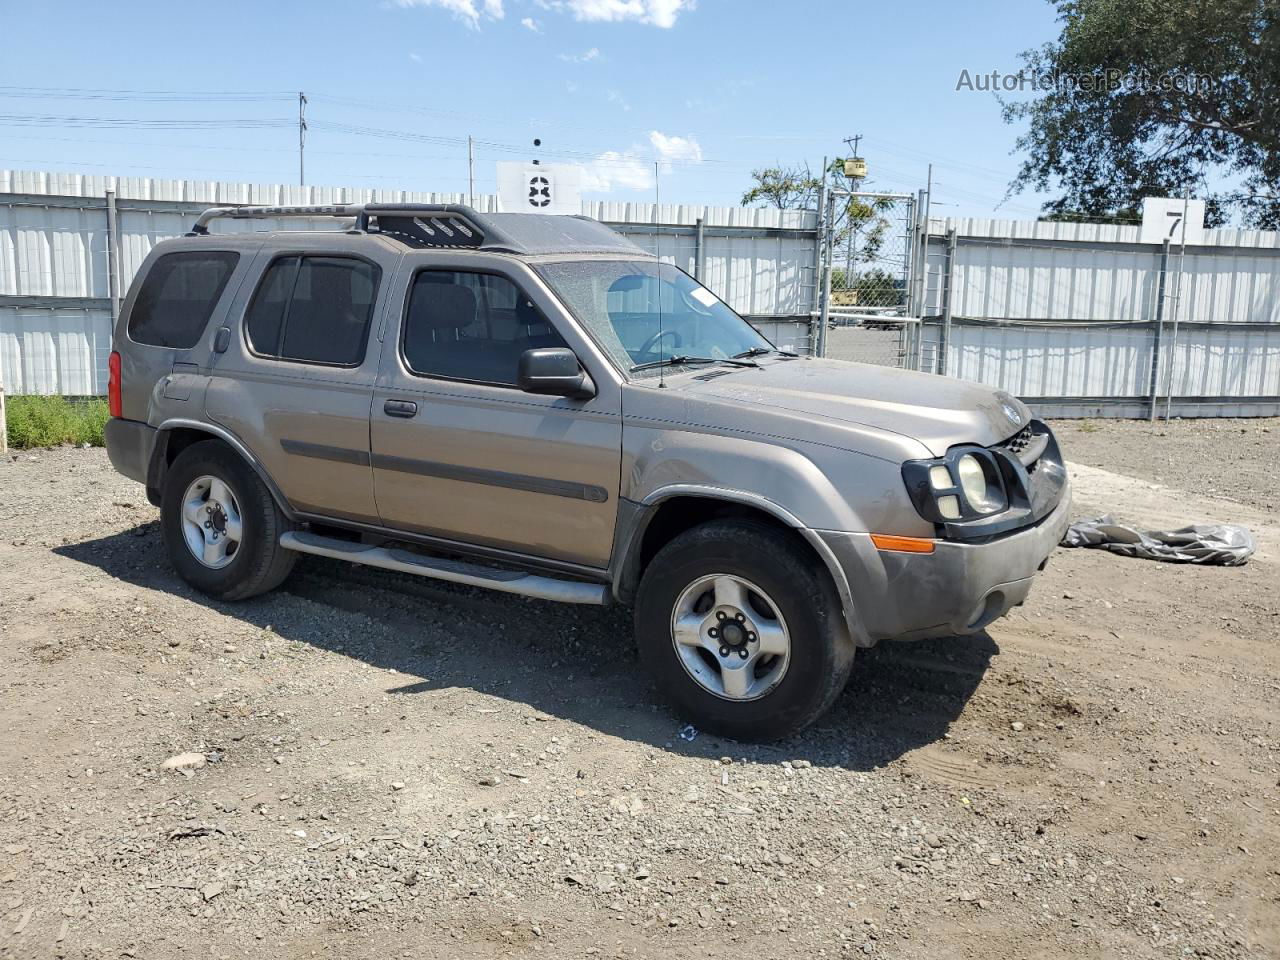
(539, 192)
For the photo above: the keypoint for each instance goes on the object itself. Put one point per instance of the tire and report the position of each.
(768, 699)
(249, 566)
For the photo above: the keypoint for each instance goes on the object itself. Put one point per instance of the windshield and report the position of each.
(644, 313)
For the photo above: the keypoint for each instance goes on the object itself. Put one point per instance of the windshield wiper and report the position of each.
(679, 360)
(760, 351)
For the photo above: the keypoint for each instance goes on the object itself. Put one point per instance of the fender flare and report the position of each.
(159, 459)
(626, 568)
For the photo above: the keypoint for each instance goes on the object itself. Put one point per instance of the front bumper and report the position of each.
(959, 588)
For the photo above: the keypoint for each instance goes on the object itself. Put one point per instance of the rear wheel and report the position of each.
(221, 525)
(741, 628)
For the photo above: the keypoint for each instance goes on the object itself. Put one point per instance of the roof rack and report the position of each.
(416, 224)
(451, 226)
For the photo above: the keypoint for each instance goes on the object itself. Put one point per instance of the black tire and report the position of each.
(259, 563)
(801, 588)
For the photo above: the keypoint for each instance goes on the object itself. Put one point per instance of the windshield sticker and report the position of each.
(704, 297)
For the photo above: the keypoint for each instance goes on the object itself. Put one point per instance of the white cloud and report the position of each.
(415, 58)
(610, 170)
(657, 13)
(631, 169)
(531, 24)
(675, 148)
(613, 96)
(469, 12)
(585, 57)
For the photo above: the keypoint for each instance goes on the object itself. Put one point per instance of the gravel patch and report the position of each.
(364, 764)
(1236, 460)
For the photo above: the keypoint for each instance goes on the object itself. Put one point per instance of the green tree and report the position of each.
(878, 288)
(797, 188)
(786, 188)
(1152, 98)
(1126, 215)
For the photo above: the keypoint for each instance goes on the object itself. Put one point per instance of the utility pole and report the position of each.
(852, 143)
(1177, 306)
(471, 171)
(302, 137)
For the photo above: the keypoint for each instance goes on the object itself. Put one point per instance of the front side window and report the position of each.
(313, 310)
(642, 313)
(178, 296)
(471, 326)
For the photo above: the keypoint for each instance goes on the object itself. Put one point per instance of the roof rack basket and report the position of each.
(417, 224)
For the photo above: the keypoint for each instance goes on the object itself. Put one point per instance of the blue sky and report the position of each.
(713, 88)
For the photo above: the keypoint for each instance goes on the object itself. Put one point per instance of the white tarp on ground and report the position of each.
(1211, 544)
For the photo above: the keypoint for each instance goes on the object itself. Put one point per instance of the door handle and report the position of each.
(400, 408)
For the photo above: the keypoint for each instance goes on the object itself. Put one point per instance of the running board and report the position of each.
(455, 571)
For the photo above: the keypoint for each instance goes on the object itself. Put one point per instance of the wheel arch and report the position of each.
(645, 527)
(174, 436)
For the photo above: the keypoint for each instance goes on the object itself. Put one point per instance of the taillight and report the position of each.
(113, 385)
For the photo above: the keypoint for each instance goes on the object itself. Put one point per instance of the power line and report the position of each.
(625, 157)
(634, 157)
(45, 120)
(143, 96)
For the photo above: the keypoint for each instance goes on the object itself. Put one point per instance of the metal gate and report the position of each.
(867, 310)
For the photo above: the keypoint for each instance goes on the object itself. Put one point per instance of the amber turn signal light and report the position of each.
(884, 541)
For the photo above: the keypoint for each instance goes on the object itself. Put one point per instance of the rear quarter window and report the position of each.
(177, 298)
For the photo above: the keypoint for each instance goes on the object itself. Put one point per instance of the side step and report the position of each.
(390, 558)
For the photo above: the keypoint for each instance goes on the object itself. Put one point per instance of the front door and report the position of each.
(460, 453)
(296, 379)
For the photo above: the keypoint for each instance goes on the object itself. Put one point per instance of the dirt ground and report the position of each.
(864, 345)
(394, 767)
(1236, 460)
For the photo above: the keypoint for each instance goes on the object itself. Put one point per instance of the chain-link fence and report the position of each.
(868, 241)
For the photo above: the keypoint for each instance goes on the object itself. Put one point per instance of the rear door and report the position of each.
(296, 379)
(459, 452)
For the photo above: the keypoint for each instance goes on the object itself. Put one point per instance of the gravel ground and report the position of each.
(387, 766)
(1235, 460)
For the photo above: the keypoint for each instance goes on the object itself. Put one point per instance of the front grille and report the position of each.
(1028, 444)
(1019, 441)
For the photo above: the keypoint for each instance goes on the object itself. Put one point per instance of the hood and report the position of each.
(937, 411)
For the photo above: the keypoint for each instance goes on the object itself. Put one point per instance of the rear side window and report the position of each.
(313, 310)
(178, 296)
(471, 326)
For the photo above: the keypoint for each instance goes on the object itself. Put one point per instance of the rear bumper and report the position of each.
(129, 446)
(959, 588)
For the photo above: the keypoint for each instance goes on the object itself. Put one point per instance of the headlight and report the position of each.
(984, 493)
(964, 485)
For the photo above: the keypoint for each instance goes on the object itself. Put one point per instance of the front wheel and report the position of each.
(741, 628)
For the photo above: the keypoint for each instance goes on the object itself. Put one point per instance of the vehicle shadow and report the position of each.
(573, 662)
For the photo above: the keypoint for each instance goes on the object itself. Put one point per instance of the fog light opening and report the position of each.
(992, 607)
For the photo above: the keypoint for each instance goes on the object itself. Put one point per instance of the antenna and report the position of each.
(657, 212)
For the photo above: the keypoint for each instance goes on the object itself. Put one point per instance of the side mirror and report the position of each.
(554, 371)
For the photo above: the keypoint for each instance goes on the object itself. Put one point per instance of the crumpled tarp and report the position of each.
(1219, 544)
